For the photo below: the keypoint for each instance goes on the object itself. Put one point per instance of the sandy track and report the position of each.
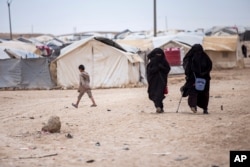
(124, 130)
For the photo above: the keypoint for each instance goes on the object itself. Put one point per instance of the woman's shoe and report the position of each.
(194, 109)
(205, 112)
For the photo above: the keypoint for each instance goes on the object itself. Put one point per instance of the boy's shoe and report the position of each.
(93, 105)
(194, 109)
(74, 105)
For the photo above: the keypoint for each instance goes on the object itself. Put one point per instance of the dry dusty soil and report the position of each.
(124, 130)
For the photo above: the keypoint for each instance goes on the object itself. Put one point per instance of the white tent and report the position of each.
(142, 44)
(224, 51)
(183, 48)
(44, 38)
(107, 65)
(182, 37)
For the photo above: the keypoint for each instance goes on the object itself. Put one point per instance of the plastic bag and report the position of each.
(200, 84)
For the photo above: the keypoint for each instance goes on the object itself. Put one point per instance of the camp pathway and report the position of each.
(124, 130)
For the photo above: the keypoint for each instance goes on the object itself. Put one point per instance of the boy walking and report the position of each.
(84, 87)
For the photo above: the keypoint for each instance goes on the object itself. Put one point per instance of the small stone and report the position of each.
(90, 161)
(69, 136)
(126, 148)
(181, 158)
(53, 125)
(217, 96)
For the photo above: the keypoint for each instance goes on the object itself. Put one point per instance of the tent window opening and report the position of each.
(225, 54)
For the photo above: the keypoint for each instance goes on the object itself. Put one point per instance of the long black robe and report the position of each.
(157, 74)
(197, 63)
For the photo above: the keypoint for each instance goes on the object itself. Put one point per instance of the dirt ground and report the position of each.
(124, 130)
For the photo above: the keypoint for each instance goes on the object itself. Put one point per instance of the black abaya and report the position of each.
(157, 73)
(197, 63)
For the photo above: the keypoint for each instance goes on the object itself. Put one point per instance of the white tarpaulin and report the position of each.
(18, 45)
(3, 54)
(106, 65)
(186, 38)
(25, 74)
(19, 54)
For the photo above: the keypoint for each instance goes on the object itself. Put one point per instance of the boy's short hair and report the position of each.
(81, 67)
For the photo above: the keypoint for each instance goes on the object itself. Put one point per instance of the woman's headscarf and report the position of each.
(156, 52)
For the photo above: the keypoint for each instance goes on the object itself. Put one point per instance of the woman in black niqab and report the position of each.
(157, 75)
(197, 64)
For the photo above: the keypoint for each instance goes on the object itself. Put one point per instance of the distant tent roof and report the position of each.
(18, 45)
(177, 44)
(110, 42)
(24, 40)
(138, 35)
(142, 44)
(130, 48)
(55, 42)
(246, 36)
(3, 54)
(220, 43)
(73, 46)
(122, 34)
(185, 38)
(18, 54)
(44, 38)
(107, 41)
(221, 31)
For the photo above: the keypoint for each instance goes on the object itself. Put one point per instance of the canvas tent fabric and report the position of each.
(246, 35)
(184, 48)
(110, 42)
(225, 51)
(25, 74)
(44, 38)
(142, 44)
(18, 54)
(3, 54)
(107, 66)
(18, 45)
(222, 31)
(182, 37)
(220, 43)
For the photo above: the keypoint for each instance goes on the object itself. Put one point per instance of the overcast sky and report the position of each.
(69, 16)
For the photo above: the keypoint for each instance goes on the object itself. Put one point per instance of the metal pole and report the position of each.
(155, 31)
(9, 2)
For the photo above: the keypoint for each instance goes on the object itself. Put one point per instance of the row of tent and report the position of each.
(110, 63)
